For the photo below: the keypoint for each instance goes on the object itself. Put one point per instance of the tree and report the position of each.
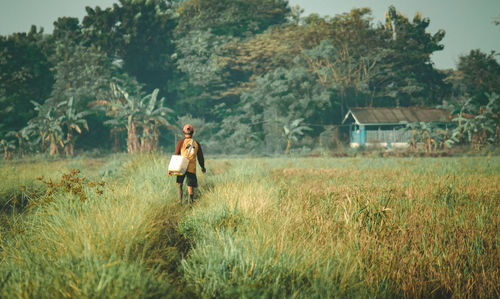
(480, 74)
(198, 58)
(347, 58)
(140, 33)
(343, 72)
(154, 115)
(74, 122)
(239, 18)
(409, 77)
(292, 130)
(139, 115)
(122, 108)
(241, 61)
(224, 66)
(81, 73)
(431, 135)
(8, 146)
(67, 28)
(236, 135)
(46, 126)
(477, 126)
(280, 97)
(25, 76)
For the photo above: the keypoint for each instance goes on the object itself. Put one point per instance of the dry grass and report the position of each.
(413, 228)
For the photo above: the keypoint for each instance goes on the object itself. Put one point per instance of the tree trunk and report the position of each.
(288, 145)
(42, 138)
(69, 147)
(7, 155)
(54, 150)
(154, 139)
(132, 140)
(146, 140)
(115, 140)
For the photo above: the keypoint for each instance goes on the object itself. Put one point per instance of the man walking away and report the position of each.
(191, 149)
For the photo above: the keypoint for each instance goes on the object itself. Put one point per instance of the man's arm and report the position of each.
(201, 158)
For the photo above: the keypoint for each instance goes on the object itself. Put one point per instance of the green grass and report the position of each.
(274, 227)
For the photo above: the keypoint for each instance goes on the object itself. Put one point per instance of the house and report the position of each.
(382, 127)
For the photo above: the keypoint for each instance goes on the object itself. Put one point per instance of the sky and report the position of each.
(468, 23)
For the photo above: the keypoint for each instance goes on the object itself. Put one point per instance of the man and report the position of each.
(191, 149)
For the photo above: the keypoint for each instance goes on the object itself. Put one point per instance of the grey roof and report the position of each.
(397, 115)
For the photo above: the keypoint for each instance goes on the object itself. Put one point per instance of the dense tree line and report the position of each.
(251, 75)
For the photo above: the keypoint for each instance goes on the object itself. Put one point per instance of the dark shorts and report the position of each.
(191, 179)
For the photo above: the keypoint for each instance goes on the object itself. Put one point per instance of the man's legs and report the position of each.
(191, 194)
(192, 183)
(180, 181)
(179, 192)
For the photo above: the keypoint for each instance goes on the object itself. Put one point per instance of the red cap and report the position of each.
(188, 129)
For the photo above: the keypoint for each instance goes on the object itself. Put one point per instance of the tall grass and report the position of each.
(276, 227)
(114, 244)
(347, 227)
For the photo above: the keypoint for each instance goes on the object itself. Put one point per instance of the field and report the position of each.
(260, 227)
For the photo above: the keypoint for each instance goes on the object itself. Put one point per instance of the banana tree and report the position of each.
(8, 146)
(8, 143)
(138, 115)
(479, 127)
(46, 126)
(429, 134)
(292, 130)
(153, 115)
(12, 141)
(74, 122)
(122, 108)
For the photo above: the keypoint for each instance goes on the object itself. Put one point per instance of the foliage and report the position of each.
(140, 115)
(197, 50)
(70, 183)
(243, 68)
(477, 126)
(8, 146)
(242, 61)
(67, 28)
(342, 61)
(46, 126)
(81, 73)
(197, 55)
(409, 77)
(25, 76)
(480, 73)
(74, 122)
(56, 122)
(280, 97)
(235, 18)
(140, 33)
(432, 135)
(292, 130)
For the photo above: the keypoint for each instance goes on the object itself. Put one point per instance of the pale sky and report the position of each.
(468, 23)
